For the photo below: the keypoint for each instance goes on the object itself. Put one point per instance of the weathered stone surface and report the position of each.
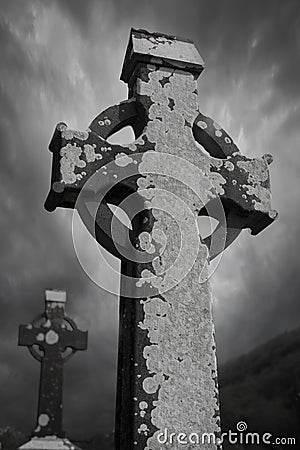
(182, 165)
(155, 48)
(53, 332)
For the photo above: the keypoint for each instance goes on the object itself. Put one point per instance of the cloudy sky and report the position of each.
(61, 60)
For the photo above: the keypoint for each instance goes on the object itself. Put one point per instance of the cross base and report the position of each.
(49, 443)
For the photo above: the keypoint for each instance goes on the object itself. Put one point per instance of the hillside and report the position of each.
(262, 388)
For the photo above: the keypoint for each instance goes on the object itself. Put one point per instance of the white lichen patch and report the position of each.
(160, 237)
(70, 159)
(257, 170)
(149, 277)
(153, 383)
(51, 337)
(202, 124)
(106, 121)
(181, 89)
(143, 405)
(154, 308)
(143, 428)
(91, 156)
(145, 241)
(69, 134)
(43, 420)
(229, 165)
(143, 183)
(273, 214)
(264, 197)
(40, 337)
(105, 149)
(122, 160)
(151, 67)
(218, 181)
(257, 173)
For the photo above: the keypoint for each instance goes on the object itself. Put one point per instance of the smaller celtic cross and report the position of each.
(52, 333)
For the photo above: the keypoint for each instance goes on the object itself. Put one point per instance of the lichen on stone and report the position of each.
(90, 154)
(69, 134)
(180, 355)
(123, 160)
(70, 159)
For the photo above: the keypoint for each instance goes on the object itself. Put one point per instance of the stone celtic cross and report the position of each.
(182, 165)
(52, 333)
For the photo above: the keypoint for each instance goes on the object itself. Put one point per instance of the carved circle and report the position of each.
(37, 320)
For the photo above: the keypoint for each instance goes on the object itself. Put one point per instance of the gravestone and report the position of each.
(52, 338)
(181, 166)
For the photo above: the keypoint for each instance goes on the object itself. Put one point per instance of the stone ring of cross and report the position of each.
(40, 324)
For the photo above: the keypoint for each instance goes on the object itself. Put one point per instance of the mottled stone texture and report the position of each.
(167, 377)
(52, 333)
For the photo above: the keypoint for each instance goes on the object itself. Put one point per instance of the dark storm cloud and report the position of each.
(61, 61)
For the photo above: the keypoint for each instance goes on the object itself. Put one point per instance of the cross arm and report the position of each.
(247, 192)
(246, 195)
(27, 335)
(75, 339)
(77, 155)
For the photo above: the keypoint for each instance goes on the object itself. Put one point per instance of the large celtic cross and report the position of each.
(182, 165)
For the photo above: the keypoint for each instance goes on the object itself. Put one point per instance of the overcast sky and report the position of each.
(61, 61)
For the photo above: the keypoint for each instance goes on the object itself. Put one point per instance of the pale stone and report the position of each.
(48, 443)
(54, 295)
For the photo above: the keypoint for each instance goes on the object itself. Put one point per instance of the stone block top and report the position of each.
(160, 49)
(54, 295)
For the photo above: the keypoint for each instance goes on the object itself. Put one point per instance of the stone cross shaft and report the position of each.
(182, 165)
(53, 333)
